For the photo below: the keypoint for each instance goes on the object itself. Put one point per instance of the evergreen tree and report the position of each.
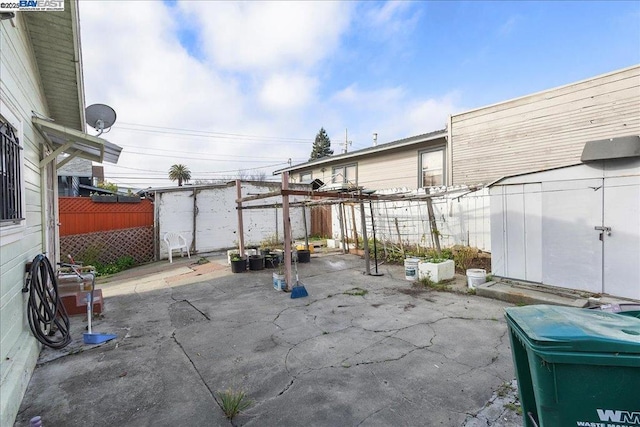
(321, 146)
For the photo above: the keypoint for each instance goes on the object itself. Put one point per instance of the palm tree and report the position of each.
(179, 173)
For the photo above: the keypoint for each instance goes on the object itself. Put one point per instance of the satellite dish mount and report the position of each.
(100, 117)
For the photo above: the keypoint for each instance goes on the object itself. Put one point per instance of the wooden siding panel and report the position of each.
(544, 130)
(391, 170)
(20, 90)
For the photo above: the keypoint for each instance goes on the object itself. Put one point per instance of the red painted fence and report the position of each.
(80, 215)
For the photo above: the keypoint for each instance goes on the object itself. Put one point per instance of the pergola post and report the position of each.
(240, 222)
(286, 220)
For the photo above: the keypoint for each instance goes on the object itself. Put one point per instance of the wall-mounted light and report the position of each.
(7, 15)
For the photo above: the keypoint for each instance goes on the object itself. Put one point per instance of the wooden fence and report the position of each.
(81, 215)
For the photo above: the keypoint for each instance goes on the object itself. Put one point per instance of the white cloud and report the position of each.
(509, 26)
(259, 71)
(392, 18)
(250, 36)
(393, 113)
(285, 92)
(372, 99)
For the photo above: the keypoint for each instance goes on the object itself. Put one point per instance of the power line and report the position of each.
(178, 151)
(194, 158)
(207, 134)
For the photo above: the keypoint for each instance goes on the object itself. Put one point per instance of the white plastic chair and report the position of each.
(176, 241)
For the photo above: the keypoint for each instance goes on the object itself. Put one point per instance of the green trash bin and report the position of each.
(576, 367)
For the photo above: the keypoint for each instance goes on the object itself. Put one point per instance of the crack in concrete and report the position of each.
(287, 387)
(192, 306)
(195, 368)
(373, 414)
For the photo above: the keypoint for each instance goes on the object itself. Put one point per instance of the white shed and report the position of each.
(575, 227)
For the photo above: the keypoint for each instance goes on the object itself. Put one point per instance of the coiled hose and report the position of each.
(48, 319)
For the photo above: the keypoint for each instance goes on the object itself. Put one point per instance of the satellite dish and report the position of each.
(100, 117)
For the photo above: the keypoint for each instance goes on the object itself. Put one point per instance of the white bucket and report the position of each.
(476, 276)
(411, 268)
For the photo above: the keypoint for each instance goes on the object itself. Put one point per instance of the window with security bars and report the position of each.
(10, 175)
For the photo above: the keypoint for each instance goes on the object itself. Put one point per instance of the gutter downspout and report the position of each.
(449, 145)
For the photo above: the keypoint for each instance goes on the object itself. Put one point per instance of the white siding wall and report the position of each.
(543, 130)
(397, 169)
(462, 219)
(20, 91)
(387, 169)
(217, 218)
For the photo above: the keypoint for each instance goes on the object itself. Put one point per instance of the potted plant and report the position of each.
(104, 198)
(256, 262)
(271, 260)
(279, 283)
(128, 198)
(238, 263)
(436, 269)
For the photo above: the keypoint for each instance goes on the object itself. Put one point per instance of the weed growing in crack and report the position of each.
(233, 402)
(515, 407)
(356, 292)
(504, 389)
(436, 286)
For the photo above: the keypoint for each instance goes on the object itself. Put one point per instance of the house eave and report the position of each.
(55, 37)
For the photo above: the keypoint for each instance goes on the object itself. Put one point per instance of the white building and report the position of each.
(41, 116)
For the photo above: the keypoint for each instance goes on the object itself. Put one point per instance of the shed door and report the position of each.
(622, 246)
(573, 250)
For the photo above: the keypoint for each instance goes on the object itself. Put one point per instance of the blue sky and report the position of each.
(228, 86)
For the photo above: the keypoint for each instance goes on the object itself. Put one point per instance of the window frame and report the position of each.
(438, 148)
(303, 174)
(11, 231)
(342, 169)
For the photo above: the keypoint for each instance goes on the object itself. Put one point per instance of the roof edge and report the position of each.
(416, 139)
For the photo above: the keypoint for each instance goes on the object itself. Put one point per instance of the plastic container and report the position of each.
(239, 266)
(575, 366)
(279, 283)
(411, 268)
(475, 277)
(256, 262)
(304, 256)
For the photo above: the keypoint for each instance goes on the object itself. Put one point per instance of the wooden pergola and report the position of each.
(320, 198)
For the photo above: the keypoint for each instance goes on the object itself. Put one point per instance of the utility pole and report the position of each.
(347, 143)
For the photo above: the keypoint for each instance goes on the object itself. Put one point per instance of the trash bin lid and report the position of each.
(577, 329)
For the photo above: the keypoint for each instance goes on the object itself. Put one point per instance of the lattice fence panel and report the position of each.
(108, 246)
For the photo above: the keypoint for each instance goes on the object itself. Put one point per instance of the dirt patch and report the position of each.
(415, 290)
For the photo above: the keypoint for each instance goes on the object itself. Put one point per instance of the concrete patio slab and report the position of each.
(386, 354)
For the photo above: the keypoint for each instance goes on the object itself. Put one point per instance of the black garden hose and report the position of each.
(47, 316)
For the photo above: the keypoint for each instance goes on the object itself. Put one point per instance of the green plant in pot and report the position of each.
(238, 263)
